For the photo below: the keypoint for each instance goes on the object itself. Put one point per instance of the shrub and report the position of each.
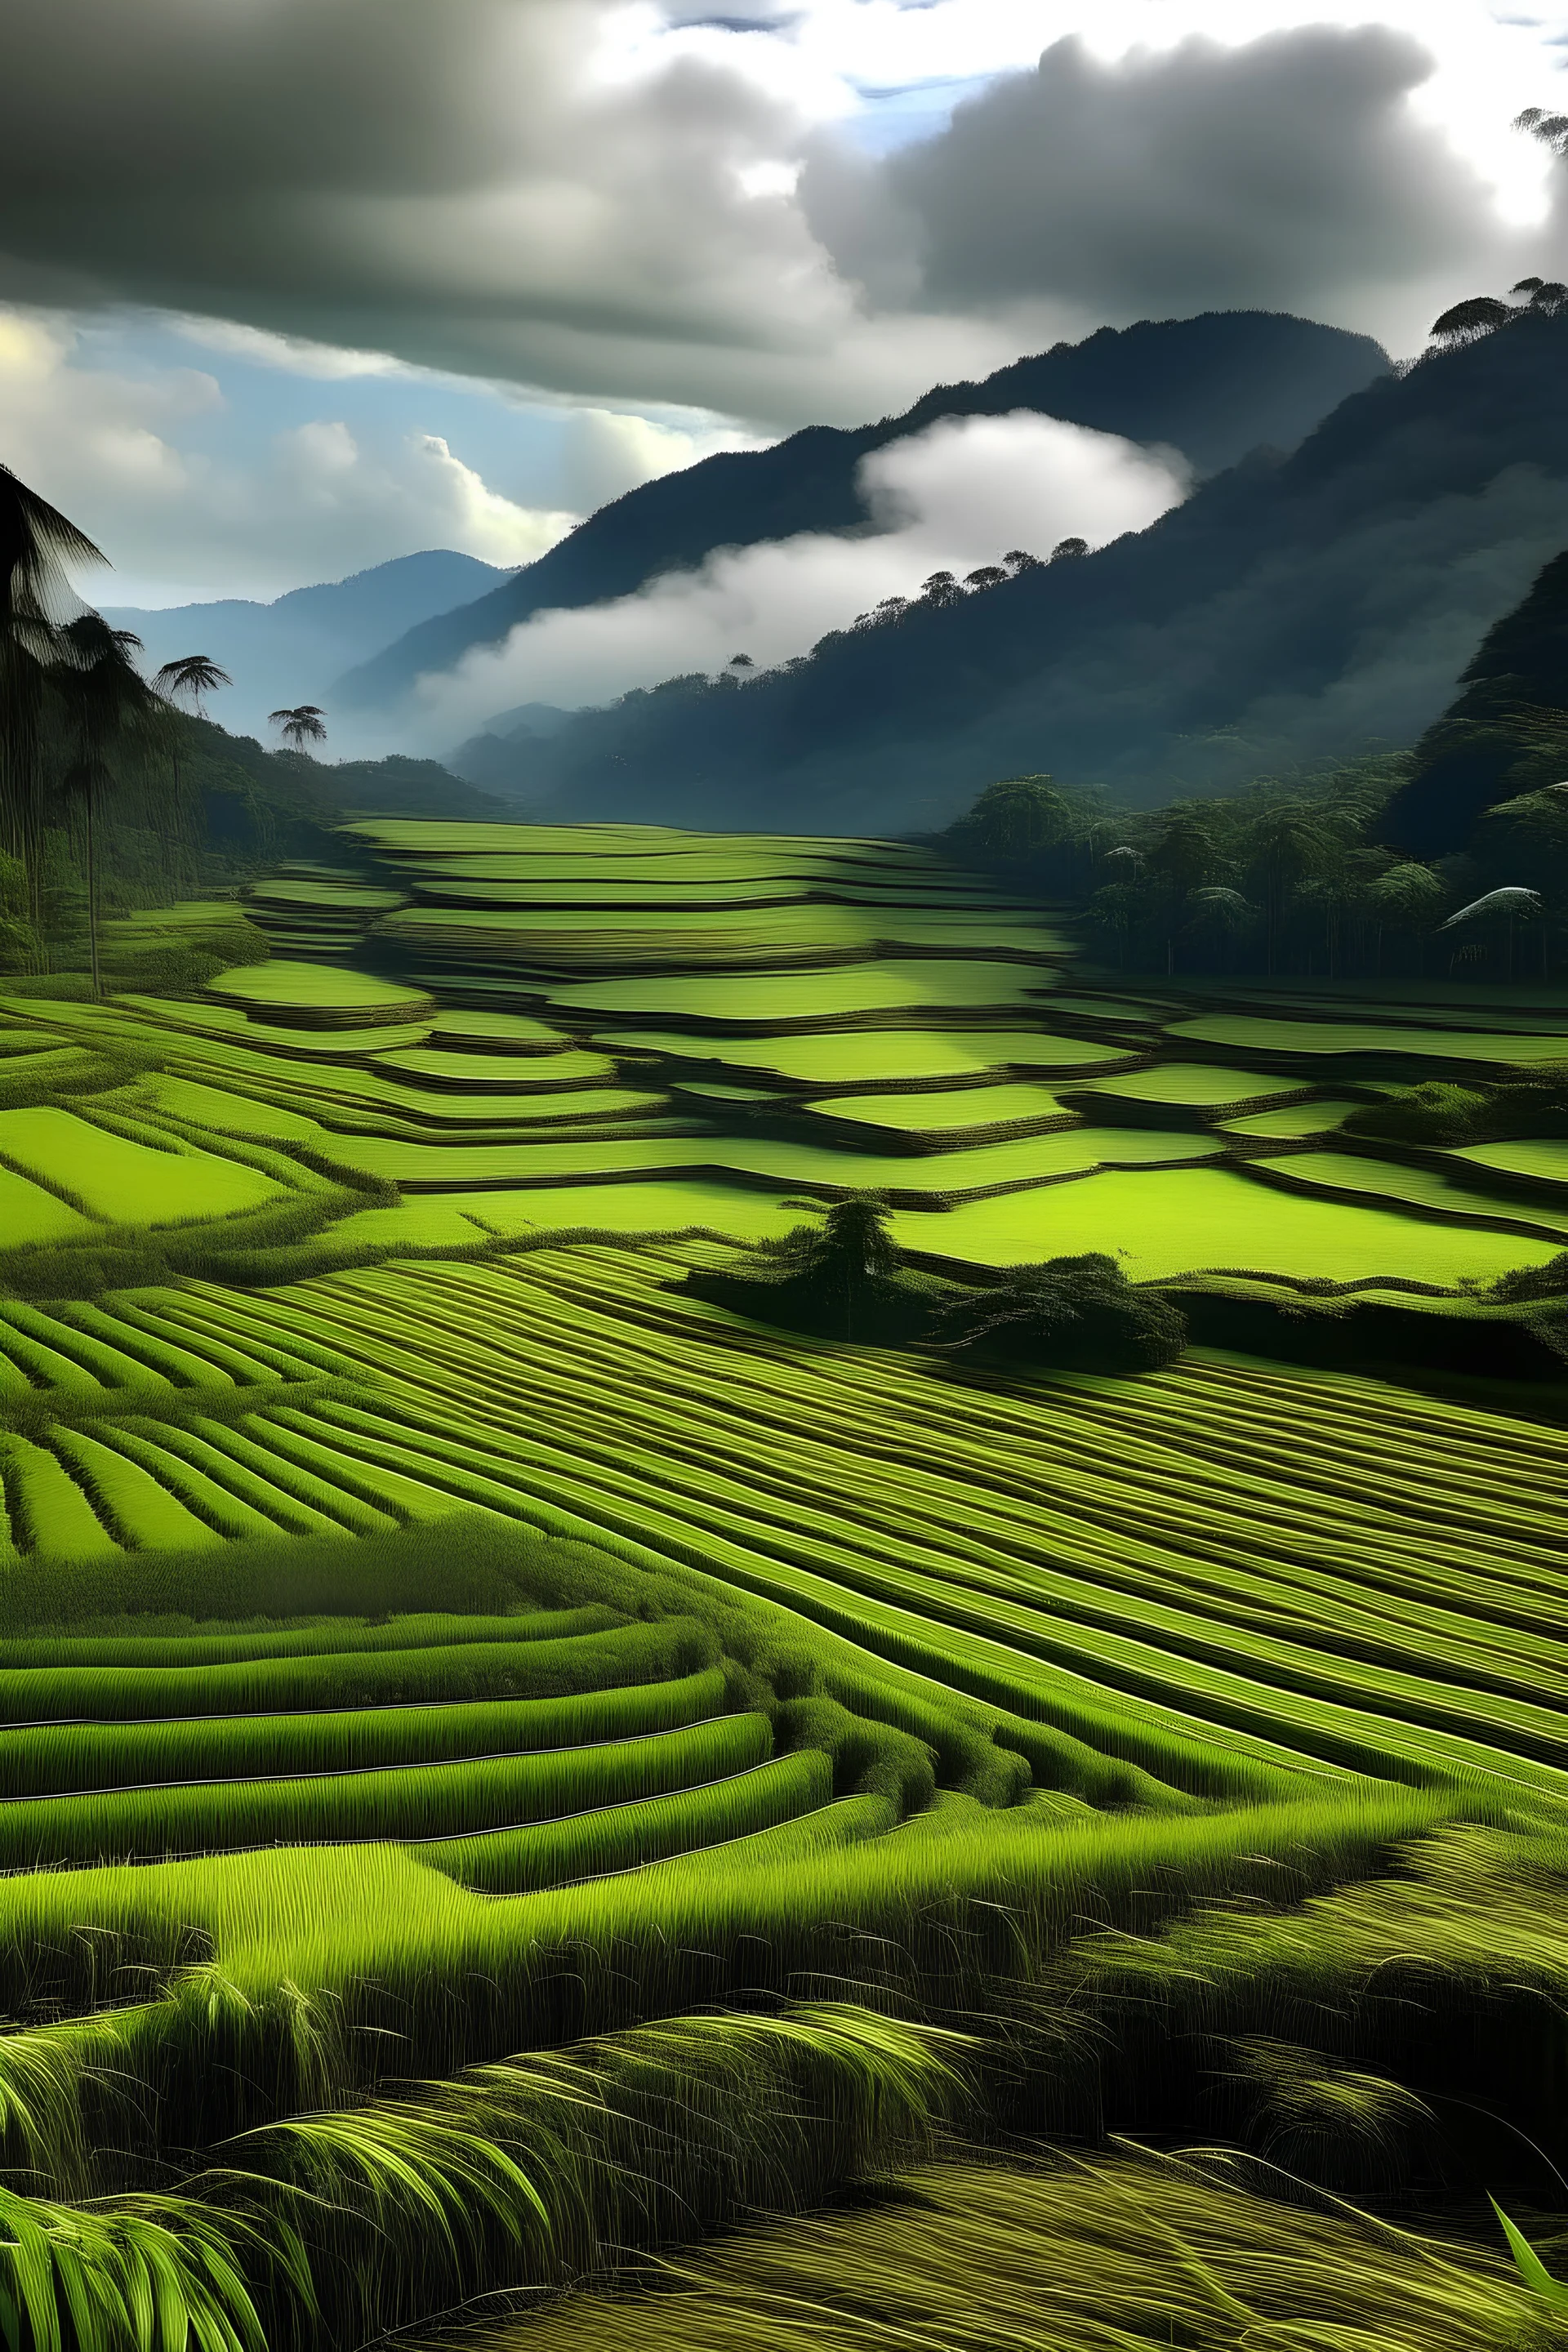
(1079, 1313)
(1436, 1112)
(843, 1279)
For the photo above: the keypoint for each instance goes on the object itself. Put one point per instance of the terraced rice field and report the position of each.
(468, 1701)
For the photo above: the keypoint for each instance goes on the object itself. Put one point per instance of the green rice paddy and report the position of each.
(1189, 1220)
(1442, 1046)
(796, 1001)
(507, 1766)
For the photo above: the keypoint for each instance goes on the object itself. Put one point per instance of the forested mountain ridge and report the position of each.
(1505, 734)
(291, 649)
(1213, 387)
(1296, 608)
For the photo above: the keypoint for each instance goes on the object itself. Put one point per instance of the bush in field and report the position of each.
(843, 1277)
(1080, 1314)
(1438, 1112)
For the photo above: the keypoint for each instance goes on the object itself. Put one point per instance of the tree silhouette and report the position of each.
(304, 724)
(1406, 898)
(939, 588)
(111, 712)
(1552, 130)
(1082, 1312)
(1182, 858)
(841, 1265)
(35, 543)
(1468, 322)
(190, 679)
(1067, 548)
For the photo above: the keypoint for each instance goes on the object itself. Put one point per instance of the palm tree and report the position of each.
(304, 724)
(1407, 898)
(193, 678)
(190, 679)
(1182, 856)
(111, 710)
(35, 543)
(1514, 904)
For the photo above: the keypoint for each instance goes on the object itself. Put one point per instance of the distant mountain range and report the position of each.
(293, 650)
(1296, 608)
(1213, 387)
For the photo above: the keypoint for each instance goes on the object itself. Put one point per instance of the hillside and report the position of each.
(259, 803)
(1479, 752)
(1294, 608)
(1214, 387)
(291, 650)
(549, 1757)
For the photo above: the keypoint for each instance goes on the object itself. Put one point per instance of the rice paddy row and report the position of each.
(690, 1662)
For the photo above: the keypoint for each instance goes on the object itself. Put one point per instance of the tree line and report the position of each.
(86, 742)
(1290, 877)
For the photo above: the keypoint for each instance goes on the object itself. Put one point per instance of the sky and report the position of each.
(291, 287)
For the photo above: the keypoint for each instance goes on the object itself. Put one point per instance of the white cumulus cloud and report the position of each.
(124, 454)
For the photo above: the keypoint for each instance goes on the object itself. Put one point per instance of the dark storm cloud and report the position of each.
(1280, 174)
(448, 180)
(457, 182)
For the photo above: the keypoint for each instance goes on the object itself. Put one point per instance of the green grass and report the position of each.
(1189, 1220)
(894, 1058)
(1090, 2255)
(981, 1169)
(110, 1177)
(1489, 1048)
(506, 1032)
(741, 938)
(949, 1120)
(230, 1022)
(785, 1001)
(538, 1669)
(430, 1801)
(1417, 1186)
(1198, 1086)
(29, 1213)
(752, 1804)
(1127, 1726)
(1543, 1159)
(317, 995)
(1319, 1117)
(59, 1759)
(442, 1067)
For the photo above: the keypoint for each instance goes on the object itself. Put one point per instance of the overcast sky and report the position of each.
(289, 287)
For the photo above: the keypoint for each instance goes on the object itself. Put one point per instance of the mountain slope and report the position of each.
(1294, 608)
(292, 649)
(1475, 754)
(1214, 387)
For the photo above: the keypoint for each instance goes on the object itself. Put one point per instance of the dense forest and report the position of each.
(1449, 861)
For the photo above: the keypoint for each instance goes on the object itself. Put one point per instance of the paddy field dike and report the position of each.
(506, 1765)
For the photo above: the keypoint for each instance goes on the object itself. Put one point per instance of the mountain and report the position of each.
(260, 806)
(1213, 387)
(291, 650)
(1475, 754)
(1295, 609)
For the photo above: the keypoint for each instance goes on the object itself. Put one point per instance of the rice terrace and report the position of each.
(775, 1589)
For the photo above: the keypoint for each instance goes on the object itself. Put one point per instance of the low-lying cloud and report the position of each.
(961, 495)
